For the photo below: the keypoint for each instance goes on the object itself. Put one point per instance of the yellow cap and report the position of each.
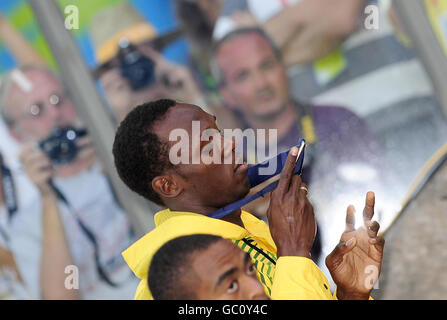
(114, 23)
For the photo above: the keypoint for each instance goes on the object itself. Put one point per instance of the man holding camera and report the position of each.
(66, 241)
(130, 67)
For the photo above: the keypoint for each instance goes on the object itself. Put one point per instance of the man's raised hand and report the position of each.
(356, 261)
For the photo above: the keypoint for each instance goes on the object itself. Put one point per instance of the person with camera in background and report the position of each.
(130, 67)
(67, 242)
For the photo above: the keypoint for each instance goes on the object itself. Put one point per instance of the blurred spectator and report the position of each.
(24, 54)
(74, 220)
(130, 69)
(304, 30)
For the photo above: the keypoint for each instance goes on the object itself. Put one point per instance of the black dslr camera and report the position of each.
(138, 69)
(61, 146)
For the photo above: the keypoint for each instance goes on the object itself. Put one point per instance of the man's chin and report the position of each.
(241, 190)
(245, 189)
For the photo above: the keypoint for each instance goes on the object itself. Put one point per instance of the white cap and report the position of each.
(224, 25)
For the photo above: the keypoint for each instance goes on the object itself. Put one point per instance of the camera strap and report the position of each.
(9, 191)
(88, 233)
(256, 177)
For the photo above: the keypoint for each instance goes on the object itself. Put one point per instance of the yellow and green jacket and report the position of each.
(296, 278)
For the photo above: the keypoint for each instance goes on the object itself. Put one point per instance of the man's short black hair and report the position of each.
(171, 267)
(139, 154)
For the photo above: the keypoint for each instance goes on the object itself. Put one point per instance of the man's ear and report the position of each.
(166, 186)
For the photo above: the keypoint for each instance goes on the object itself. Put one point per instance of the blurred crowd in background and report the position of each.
(308, 68)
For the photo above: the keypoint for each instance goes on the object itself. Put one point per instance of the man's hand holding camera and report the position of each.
(40, 168)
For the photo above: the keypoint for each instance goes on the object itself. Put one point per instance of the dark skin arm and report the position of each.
(356, 261)
(290, 214)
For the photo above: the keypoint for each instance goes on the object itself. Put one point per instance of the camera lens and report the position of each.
(71, 134)
(138, 69)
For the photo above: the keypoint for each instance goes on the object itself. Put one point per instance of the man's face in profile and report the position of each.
(212, 185)
(255, 79)
(225, 272)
